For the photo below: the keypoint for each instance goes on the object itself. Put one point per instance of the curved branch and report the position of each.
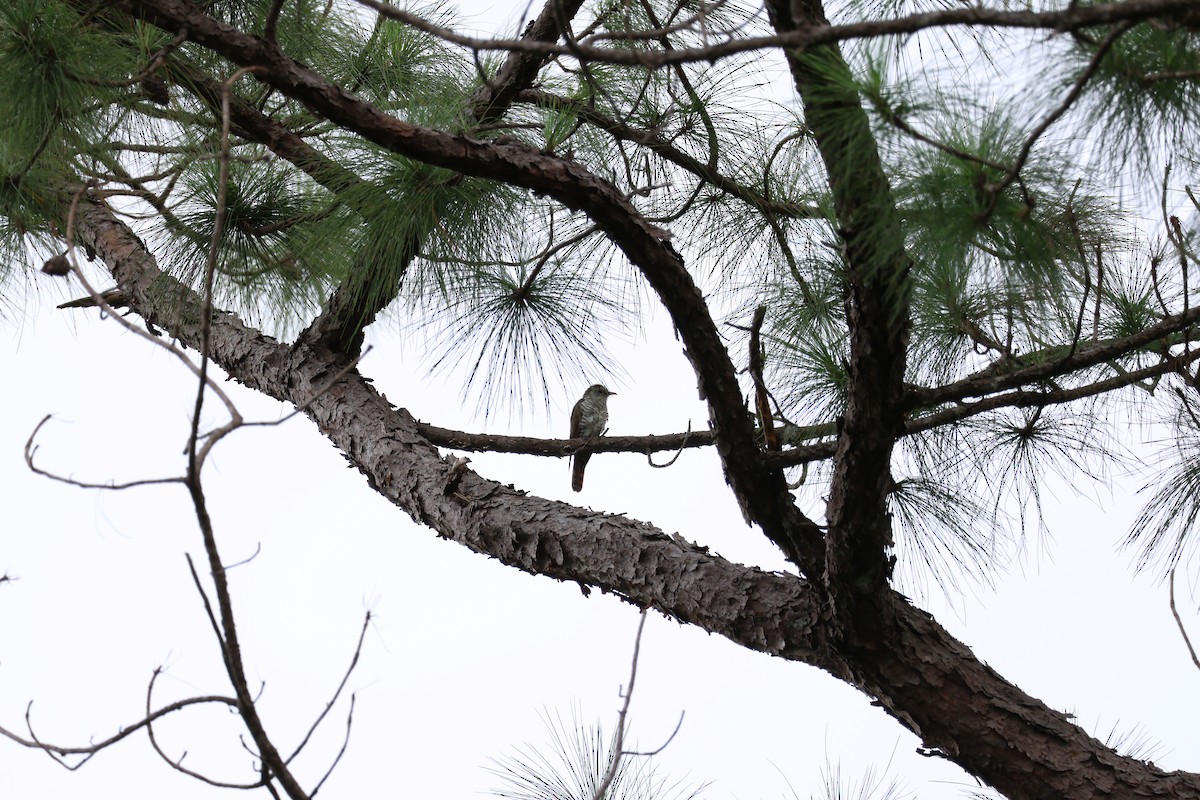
(55, 751)
(669, 152)
(177, 764)
(1073, 17)
(31, 451)
(761, 493)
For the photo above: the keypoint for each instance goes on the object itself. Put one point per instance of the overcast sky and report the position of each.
(465, 657)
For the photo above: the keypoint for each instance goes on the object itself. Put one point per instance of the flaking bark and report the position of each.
(926, 679)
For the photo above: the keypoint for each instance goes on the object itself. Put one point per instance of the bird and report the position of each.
(114, 298)
(588, 419)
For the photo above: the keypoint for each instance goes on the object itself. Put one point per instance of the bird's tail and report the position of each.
(577, 464)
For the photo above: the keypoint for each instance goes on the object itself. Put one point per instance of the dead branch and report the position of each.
(619, 737)
(1179, 622)
(57, 751)
(31, 451)
(1071, 18)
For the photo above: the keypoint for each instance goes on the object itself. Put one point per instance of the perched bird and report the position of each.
(114, 297)
(588, 419)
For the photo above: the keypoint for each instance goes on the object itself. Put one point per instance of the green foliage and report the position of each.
(1144, 91)
(62, 73)
(944, 533)
(519, 333)
(274, 252)
(1164, 533)
(1015, 450)
(1007, 267)
(1022, 234)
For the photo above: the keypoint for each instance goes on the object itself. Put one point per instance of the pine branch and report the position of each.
(661, 147)
(360, 298)
(1016, 399)
(1049, 364)
(879, 288)
(255, 126)
(761, 493)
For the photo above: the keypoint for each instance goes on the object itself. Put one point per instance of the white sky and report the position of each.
(465, 654)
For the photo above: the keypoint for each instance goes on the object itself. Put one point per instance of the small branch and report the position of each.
(1179, 622)
(661, 747)
(337, 693)
(762, 401)
(678, 453)
(208, 609)
(177, 764)
(1073, 95)
(1071, 18)
(341, 752)
(272, 22)
(55, 751)
(196, 459)
(31, 451)
(529, 445)
(619, 738)
(1015, 399)
(986, 381)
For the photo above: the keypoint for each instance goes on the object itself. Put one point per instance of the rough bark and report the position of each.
(877, 285)
(761, 491)
(845, 619)
(929, 681)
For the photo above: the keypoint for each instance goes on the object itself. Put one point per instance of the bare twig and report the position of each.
(31, 450)
(1179, 622)
(678, 453)
(619, 738)
(337, 693)
(971, 16)
(661, 747)
(341, 752)
(274, 765)
(57, 751)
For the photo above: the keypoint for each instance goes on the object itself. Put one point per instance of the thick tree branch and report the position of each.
(930, 682)
(761, 493)
(858, 564)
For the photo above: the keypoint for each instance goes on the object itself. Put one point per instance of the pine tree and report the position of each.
(955, 242)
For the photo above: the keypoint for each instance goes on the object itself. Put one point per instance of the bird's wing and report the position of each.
(576, 414)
